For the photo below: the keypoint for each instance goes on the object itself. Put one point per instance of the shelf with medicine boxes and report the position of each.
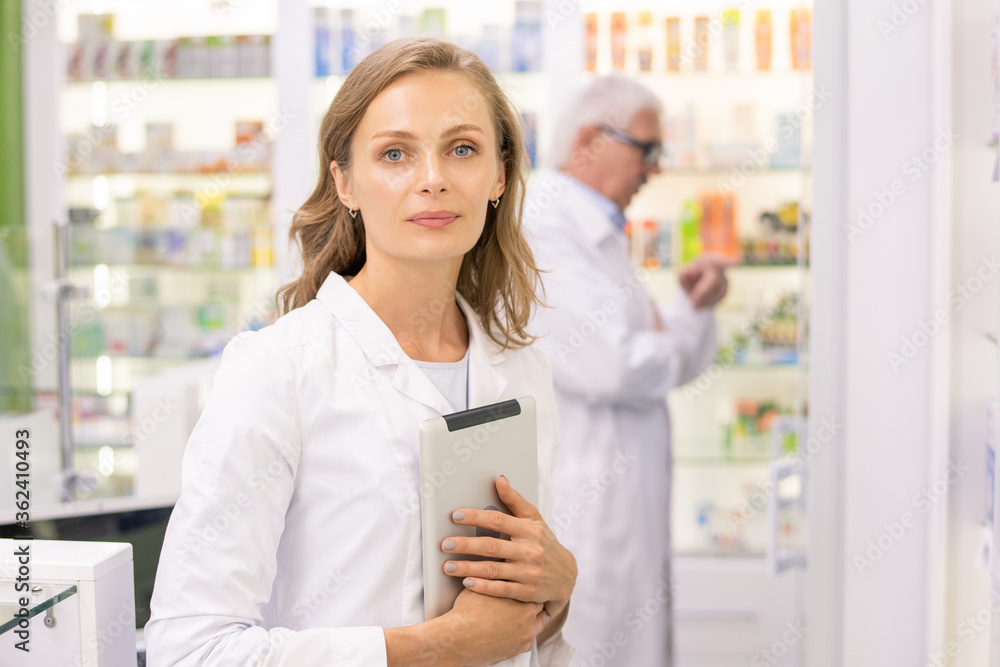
(168, 182)
(107, 46)
(508, 36)
(680, 38)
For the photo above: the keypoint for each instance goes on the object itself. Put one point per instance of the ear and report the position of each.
(587, 139)
(343, 186)
(501, 184)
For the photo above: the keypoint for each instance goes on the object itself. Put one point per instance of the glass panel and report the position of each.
(16, 384)
(169, 115)
(40, 597)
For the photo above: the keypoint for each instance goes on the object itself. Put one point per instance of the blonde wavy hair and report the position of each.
(498, 276)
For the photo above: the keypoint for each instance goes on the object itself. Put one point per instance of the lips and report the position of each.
(433, 219)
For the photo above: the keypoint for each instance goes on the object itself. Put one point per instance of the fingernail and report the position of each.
(450, 567)
(504, 478)
(458, 516)
(448, 545)
(468, 583)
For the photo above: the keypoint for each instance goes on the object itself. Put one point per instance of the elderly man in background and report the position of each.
(614, 354)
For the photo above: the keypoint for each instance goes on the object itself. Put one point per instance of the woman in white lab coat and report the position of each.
(296, 539)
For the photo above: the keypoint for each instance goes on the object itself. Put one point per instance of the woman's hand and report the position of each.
(489, 629)
(537, 568)
(479, 630)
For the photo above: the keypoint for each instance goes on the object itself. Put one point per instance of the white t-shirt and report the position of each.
(451, 378)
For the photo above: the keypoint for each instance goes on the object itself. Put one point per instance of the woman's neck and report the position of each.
(417, 302)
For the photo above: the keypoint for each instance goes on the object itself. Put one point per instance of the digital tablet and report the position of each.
(461, 455)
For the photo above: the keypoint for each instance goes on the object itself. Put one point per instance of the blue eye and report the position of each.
(464, 150)
(393, 155)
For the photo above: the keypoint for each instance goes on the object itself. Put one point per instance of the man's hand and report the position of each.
(704, 279)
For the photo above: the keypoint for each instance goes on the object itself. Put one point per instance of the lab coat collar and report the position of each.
(382, 349)
(486, 384)
(364, 326)
(591, 221)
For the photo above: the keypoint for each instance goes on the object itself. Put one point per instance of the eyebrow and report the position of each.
(403, 134)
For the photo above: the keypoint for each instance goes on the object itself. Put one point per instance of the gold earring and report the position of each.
(496, 202)
(354, 214)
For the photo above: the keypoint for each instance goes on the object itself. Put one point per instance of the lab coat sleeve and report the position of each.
(694, 330)
(598, 355)
(219, 557)
(556, 651)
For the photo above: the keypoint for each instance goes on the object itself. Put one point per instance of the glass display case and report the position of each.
(169, 114)
(735, 83)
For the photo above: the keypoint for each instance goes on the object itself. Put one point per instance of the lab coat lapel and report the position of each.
(486, 383)
(413, 382)
(380, 347)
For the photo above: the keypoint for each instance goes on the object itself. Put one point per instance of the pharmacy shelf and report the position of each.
(264, 271)
(124, 371)
(694, 172)
(666, 77)
(209, 82)
(741, 268)
(702, 461)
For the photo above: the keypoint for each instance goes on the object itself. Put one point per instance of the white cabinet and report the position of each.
(76, 600)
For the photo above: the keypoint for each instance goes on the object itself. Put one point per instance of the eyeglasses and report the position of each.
(652, 151)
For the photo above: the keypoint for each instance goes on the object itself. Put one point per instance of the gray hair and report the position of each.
(606, 100)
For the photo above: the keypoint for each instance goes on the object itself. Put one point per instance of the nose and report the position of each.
(654, 168)
(431, 177)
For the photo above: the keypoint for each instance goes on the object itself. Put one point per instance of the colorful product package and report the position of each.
(801, 38)
(645, 41)
(673, 44)
(527, 36)
(762, 36)
(731, 39)
(618, 40)
(702, 38)
(590, 44)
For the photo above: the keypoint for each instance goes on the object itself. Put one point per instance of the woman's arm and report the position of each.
(219, 558)
(479, 630)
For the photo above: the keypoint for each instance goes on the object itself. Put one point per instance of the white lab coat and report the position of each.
(612, 371)
(296, 538)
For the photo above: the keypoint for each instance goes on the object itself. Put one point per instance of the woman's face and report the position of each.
(424, 167)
